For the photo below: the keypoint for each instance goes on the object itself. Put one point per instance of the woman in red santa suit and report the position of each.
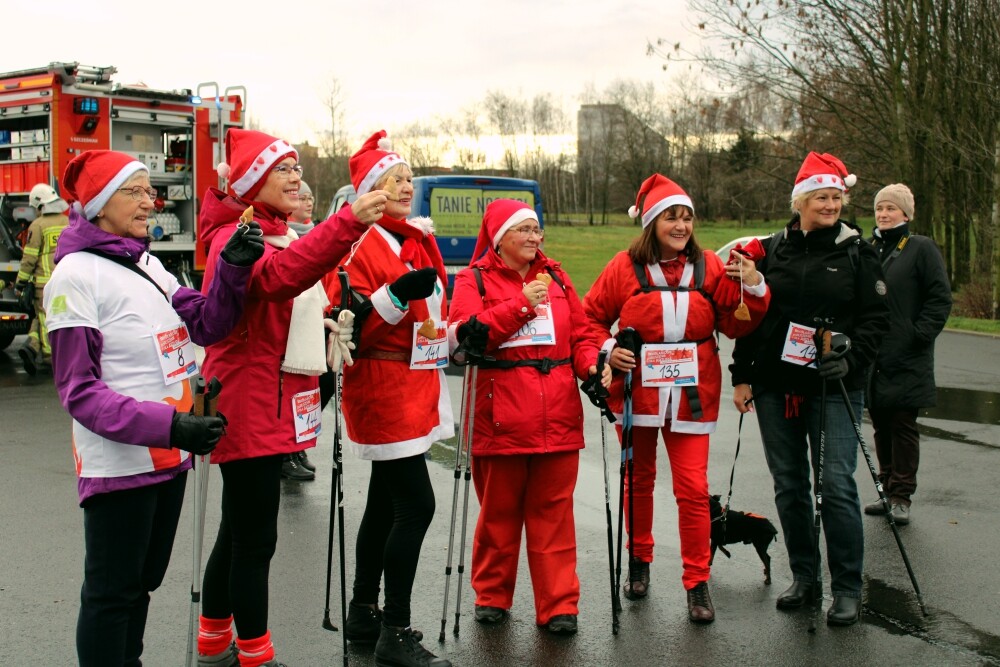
(528, 427)
(395, 401)
(269, 367)
(675, 296)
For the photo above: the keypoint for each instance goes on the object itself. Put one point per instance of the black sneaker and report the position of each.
(488, 615)
(364, 623)
(401, 647)
(563, 624)
(290, 469)
(305, 462)
(29, 359)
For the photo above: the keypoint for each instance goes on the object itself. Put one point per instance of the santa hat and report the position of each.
(822, 170)
(501, 215)
(374, 158)
(250, 155)
(92, 177)
(656, 194)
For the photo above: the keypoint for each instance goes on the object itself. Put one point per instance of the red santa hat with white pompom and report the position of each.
(250, 156)
(374, 158)
(822, 170)
(656, 194)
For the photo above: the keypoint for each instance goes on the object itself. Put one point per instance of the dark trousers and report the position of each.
(398, 512)
(236, 574)
(129, 536)
(897, 444)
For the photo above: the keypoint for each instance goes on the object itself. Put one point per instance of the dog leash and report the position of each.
(732, 471)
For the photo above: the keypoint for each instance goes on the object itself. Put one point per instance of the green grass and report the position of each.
(585, 250)
(970, 324)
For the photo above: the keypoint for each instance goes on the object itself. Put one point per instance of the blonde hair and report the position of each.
(800, 199)
(391, 172)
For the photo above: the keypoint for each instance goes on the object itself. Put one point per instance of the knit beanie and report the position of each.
(898, 194)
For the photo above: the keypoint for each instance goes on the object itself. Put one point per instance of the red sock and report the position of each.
(214, 635)
(257, 651)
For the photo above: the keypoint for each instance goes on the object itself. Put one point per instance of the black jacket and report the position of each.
(919, 305)
(828, 278)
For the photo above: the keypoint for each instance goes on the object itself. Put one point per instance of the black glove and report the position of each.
(833, 368)
(245, 246)
(629, 339)
(198, 435)
(417, 284)
(473, 337)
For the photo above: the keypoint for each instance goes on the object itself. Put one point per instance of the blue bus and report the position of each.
(456, 205)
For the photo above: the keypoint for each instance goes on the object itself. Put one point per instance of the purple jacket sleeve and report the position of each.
(211, 317)
(76, 365)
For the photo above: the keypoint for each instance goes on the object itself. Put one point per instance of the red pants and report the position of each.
(688, 454)
(533, 492)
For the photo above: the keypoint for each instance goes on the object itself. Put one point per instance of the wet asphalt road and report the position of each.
(952, 543)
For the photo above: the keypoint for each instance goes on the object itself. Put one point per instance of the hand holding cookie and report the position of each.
(536, 291)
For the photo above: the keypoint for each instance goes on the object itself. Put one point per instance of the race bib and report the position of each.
(539, 331)
(669, 364)
(429, 353)
(800, 346)
(307, 409)
(175, 351)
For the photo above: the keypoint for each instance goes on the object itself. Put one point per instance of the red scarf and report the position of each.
(418, 249)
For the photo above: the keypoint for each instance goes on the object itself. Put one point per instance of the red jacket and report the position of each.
(522, 410)
(616, 295)
(256, 394)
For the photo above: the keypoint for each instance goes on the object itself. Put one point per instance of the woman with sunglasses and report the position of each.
(269, 367)
(123, 333)
(528, 426)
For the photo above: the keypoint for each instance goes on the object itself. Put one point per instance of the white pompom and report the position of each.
(633, 212)
(850, 180)
(223, 170)
(424, 224)
(385, 144)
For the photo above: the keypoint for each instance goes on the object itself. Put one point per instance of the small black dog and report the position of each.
(742, 527)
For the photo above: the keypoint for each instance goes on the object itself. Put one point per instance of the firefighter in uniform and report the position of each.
(36, 267)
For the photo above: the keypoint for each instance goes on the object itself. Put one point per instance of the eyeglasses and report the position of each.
(285, 171)
(137, 191)
(525, 232)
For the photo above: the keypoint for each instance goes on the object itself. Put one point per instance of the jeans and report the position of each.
(129, 536)
(788, 458)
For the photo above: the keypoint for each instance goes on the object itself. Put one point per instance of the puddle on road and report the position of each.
(897, 612)
(965, 405)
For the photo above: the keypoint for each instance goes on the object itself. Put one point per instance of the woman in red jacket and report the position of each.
(269, 367)
(528, 429)
(675, 296)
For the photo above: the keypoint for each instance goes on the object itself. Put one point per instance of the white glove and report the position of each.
(339, 344)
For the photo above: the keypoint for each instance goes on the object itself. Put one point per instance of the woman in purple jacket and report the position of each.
(123, 333)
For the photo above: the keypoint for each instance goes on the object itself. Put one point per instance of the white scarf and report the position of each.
(305, 351)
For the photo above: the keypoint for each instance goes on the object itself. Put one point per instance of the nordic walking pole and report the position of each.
(454, 497)
(337, 482)
(205, 400)
(602, 394)
(822, 343)
(625, 468)
(465, 505)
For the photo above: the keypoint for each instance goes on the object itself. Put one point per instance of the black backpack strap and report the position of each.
(555, 277)
(478, 275)
(131, 266)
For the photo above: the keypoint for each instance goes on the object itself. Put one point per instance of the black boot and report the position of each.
(290, 469)
(305, 462)
(638, 579)
(400, 647)
(843, 611)
(364, 623)
(798, 594)
(30, 359)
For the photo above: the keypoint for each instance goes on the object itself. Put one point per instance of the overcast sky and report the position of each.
(396, 61)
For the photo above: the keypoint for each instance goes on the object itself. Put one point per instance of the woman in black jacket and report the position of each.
(902, 381)
(822, 275)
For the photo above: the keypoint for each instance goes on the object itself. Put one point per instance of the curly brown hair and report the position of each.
(645, 249)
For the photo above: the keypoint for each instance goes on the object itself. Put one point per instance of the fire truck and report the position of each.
(50, 114)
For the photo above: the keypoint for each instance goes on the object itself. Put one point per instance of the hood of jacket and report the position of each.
(81, 234)
(220, 210)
